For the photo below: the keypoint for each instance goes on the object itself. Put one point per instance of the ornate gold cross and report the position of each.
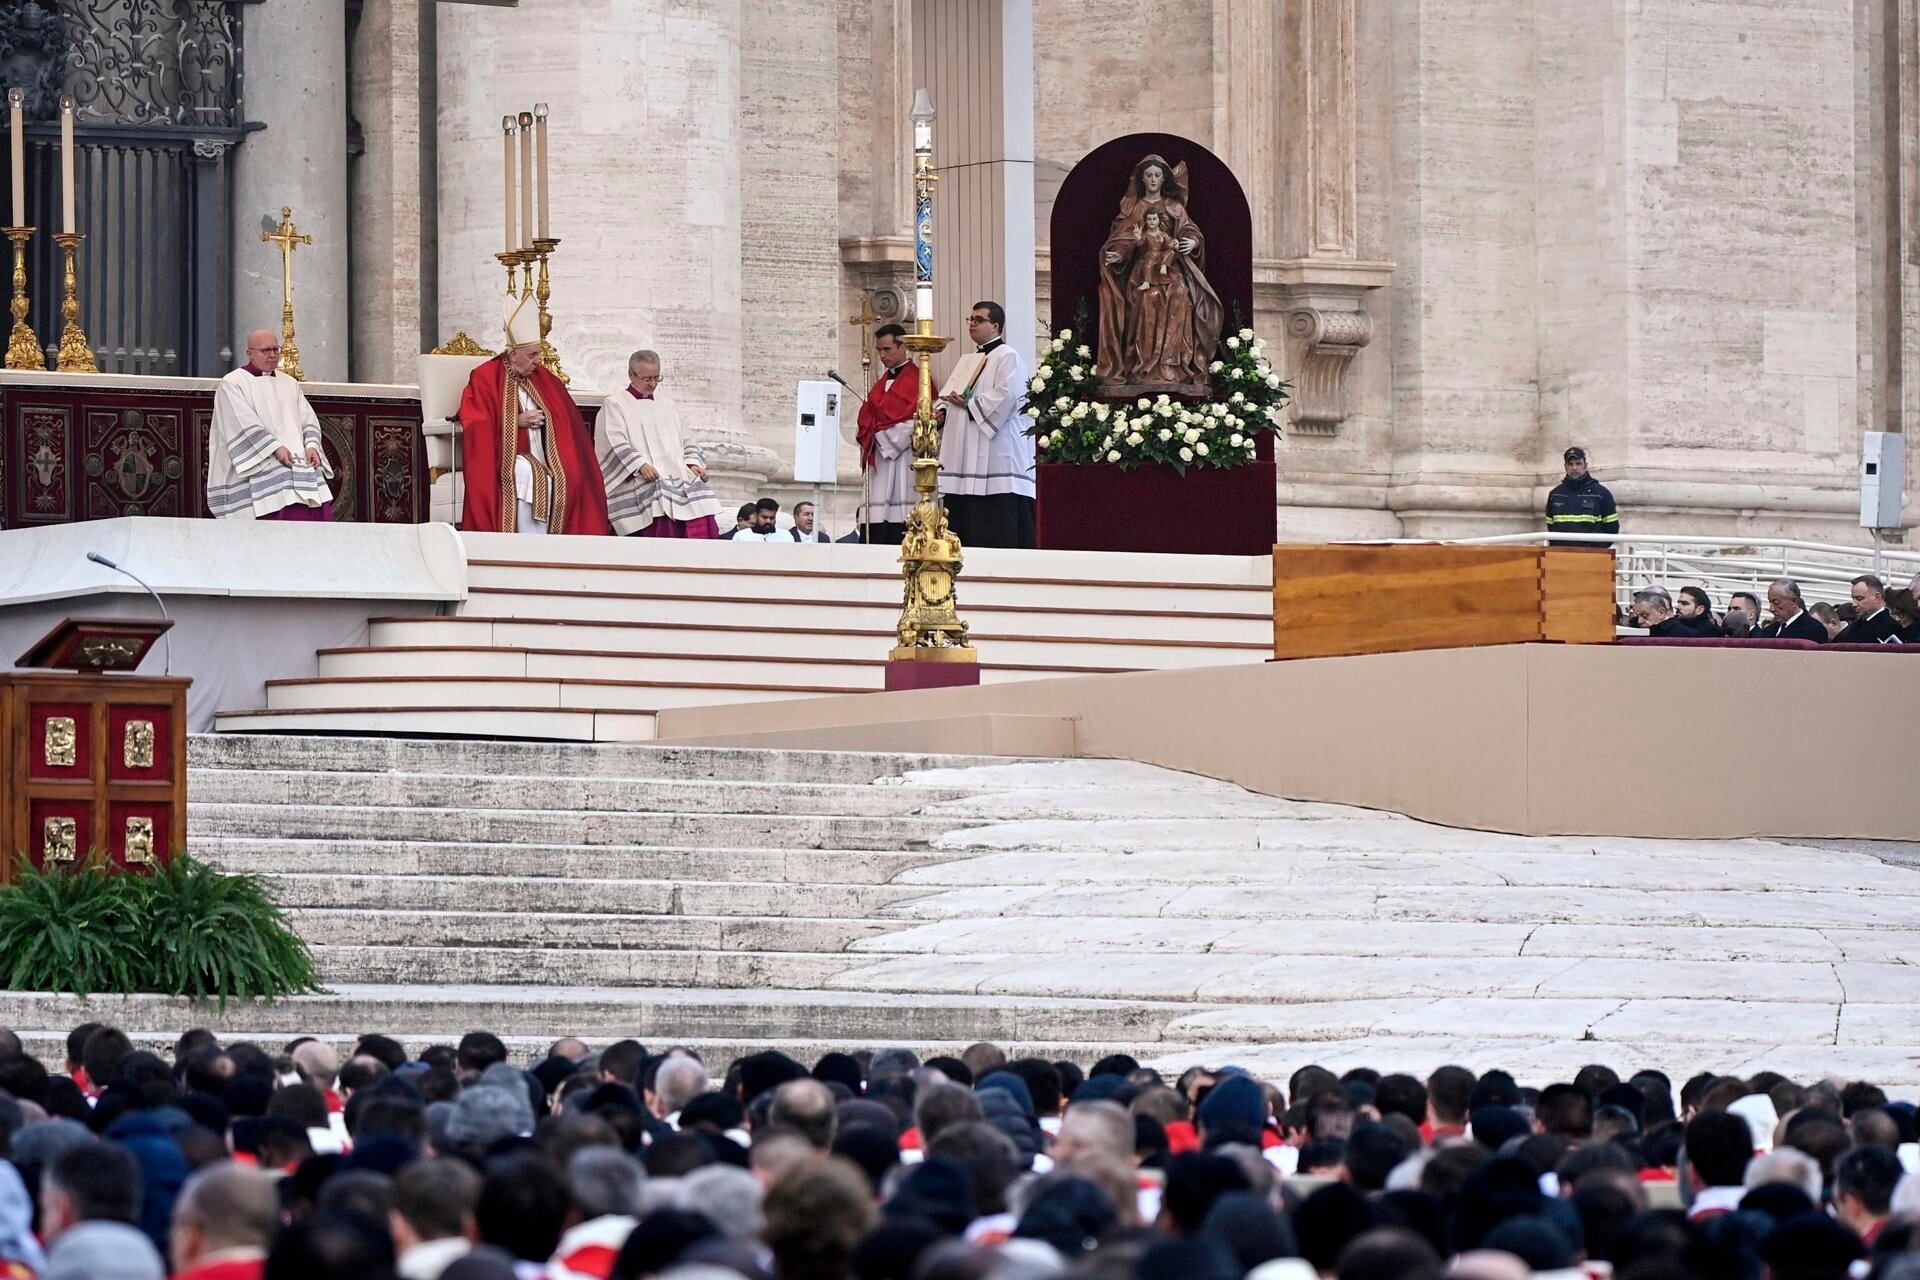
(288, 238)
(865, 320)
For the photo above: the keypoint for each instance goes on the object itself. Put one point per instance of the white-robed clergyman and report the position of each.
(265, 460)
(656, 476)
(986, 455)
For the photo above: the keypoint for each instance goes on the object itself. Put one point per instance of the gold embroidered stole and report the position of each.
(549, 480)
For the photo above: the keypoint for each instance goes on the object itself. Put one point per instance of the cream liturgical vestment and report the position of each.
(632, 430)
(985, 448)
(255, 415)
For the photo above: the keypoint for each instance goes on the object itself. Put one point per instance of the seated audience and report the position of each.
(1789, 618)
(1695, 610)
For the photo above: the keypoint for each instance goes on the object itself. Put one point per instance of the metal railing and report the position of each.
(1722, 566)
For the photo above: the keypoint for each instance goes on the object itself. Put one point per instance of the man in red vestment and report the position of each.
(530, 466)
(886, 439)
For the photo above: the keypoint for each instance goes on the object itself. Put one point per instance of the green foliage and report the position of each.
(188, 930)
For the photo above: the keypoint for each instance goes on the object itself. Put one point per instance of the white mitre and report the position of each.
(521, 322)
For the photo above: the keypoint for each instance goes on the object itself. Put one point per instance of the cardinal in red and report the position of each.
(886, 439)
(530, 465)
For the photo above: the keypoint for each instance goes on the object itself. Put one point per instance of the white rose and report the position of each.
(1273, 380)
(1078, 371)
(1066, 335)
(1046, 372)
(1240, 373)
(1143, 403)
(1165, 435)
(1246, 335)
(1237, 397)
(1083, 353)
(1233, 344)
(1237, 440)
(1164, 410)
(1200, 449)
(1044, 441)
(1135, 439)
(1216, 367)
(1061, 402)
(1186, 455)
(1193, 435)
(1219, 410)
(1038, 384)
(1113, 455)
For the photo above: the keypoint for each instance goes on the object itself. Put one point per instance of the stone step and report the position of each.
(522, 826)
(559, 895)
(604, 1013)
(579, 965)
(456, 691)
(1010, 645)
(581, 725)
(546, 794)
(548, 759)
(326, 926)
(270, 855)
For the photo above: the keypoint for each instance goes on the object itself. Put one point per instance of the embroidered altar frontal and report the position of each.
(80, 447)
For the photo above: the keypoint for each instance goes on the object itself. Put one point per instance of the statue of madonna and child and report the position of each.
(1160, 321)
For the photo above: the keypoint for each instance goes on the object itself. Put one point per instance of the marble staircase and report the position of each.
(586, 638)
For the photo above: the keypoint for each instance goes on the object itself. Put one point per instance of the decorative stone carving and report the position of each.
(1327, 326)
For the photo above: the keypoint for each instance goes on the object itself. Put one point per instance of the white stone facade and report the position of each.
(1676, 232)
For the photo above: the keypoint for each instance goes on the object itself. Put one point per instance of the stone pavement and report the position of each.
(738, 899)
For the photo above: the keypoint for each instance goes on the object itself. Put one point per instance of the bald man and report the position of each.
(223, 1224)
(264, 456)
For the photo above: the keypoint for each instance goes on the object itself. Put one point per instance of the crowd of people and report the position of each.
(236, 1162)
(1874, 614)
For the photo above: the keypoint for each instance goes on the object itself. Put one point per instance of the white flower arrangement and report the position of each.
(1074, 423)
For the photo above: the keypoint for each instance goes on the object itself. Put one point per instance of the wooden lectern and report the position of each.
(92, 757)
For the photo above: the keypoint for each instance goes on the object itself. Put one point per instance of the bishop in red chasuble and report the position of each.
(528, 456)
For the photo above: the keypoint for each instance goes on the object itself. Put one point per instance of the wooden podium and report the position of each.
(92, 760)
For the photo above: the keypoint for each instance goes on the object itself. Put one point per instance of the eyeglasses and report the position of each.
(266, 351)
(642, 377)
(979, 319)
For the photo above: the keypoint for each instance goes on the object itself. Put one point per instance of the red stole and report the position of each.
(569, 452)
(884, 409)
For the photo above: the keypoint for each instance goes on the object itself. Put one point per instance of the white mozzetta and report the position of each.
(214, 558)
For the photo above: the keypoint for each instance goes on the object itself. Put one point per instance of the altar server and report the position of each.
(265, 461)
(656, 477)
(530, 465)
(986, 455)
(886, 439)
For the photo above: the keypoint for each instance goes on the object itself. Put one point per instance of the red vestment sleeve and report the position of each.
(569, 446)
(883, 409)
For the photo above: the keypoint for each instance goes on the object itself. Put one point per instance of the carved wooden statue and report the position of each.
(1160, 320)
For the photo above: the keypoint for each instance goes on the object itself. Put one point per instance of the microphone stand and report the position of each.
(166, 638)
(866, 473)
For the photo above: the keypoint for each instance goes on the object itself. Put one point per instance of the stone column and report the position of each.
(383, 86)
(297, 86)
(646, 194)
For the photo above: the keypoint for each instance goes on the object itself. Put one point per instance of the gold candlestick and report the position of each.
(549, 357)
(288, 238)
(23, 344)
(76, 355)
(509, 259)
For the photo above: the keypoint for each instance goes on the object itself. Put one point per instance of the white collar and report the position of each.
(1712, 1199)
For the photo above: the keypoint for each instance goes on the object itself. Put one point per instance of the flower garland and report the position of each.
(1073, 422)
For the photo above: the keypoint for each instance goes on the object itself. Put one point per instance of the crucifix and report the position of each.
(865, 320)
(288, 238)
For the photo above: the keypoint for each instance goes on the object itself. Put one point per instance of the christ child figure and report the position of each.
(1156, 253)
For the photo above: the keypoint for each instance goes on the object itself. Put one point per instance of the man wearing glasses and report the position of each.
(656, 477)
(265, 461)
(986, 455)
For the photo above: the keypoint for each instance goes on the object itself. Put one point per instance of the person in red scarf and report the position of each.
(530, 465)
(886, 439)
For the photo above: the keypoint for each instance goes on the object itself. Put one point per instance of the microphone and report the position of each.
(166, 638)
(835, 375)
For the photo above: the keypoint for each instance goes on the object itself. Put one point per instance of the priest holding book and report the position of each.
(986, 455)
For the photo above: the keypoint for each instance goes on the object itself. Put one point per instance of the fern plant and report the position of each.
(187, 930)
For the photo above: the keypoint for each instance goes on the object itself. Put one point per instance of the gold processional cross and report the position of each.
(865, 321)
(288, 239)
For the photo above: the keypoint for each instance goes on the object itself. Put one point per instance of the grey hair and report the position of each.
(640, 357)
(678, 1081)
(1654, 595)
(1785, 1164)
(730, 1196)
(603, 1181)
(1789, 586)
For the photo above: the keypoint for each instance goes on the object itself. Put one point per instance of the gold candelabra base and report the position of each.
(23, 344)
(289, 349)
(76, 354)
(930, 628)
(543, 248)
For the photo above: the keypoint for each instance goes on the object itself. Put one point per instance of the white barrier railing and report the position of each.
(1722, 566)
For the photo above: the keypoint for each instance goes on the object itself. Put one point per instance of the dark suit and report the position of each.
(1878, 629)
(1673, 628)
(1802, 626)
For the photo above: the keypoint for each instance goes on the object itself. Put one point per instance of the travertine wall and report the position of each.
(383, 91)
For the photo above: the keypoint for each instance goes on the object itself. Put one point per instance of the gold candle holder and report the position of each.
(23, 344)
(509, 259)
(544, 247)
(76, 355)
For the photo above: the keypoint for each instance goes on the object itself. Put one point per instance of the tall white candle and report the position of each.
(66, 165)
(16, 104)
(506, 147)
(540, 146)
(526, 180)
